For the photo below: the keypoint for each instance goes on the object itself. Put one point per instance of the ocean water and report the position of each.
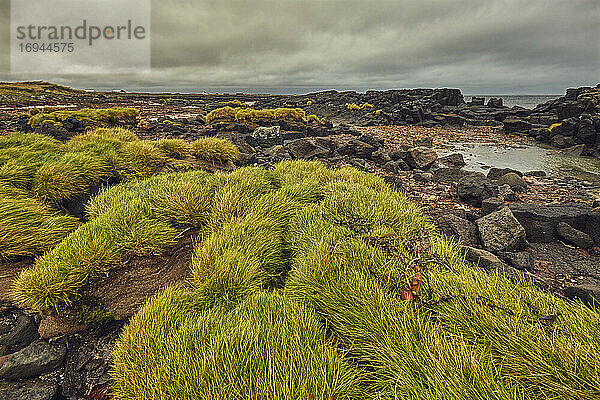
(523, 100)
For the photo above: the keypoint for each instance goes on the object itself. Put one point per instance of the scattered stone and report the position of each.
(474, 188)
(495, 102)
(500, 231)
(540, 221)
(23, 333)
(574, 236)
(588, 294)
(306, 149)
(391, 166)
(29, 389)
(421, 157)
(515, 182)
(516, 125)
(268, 136)
(424, 142)
(380, 156)
(423, 177)
(496, 173)
(449, 175)
(522, 260)
(596, 203)
(576, 150)
(507, 193)
(357, 148)
(537, 174)
(37, 358)
(277, 151)
(455, 160)
(482, 258)
(491, 204)
(459, 228)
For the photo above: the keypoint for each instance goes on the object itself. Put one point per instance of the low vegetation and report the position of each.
(39, 174)
(247, 115)
(105, 117)
(34, 91)
(309, 290)
(356, 107)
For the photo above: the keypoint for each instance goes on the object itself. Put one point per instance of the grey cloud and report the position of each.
(501, 46)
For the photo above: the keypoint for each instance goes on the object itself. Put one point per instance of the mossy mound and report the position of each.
(39, 174)
(328, 284)
(98, 117)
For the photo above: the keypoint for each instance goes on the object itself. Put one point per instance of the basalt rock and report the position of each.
(474, 188)
(500, 231)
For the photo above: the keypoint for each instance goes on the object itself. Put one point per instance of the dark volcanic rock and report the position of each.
(306, 149)
(540, 221)
(474, 188)
(357, 148)
(421, 157)
(455, 160)
(22, 333)
(461, 229)
(496, 173)
(491, 204)
(515, 182)
(500, 231)
(449, 175)
(29, 389)
(522, 260)
(495, 102)
(574, 236)
(588, 294)
(516, 125)
(37, 358)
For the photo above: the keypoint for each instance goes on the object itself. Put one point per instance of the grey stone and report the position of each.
(500, 231)
(449, 175)
(490, 262)
(491, 204)
(522, 260)
(455, 160)
(37, 358)
(391, 166)
(576, 150)
(513, 125)
(540, 221)
(423, 177)
(588, 294)
(574, 236)
(306, 149)
(23, 332)
(515, 182)
(29, 389)
(421, 157)
(458, 228)
(474, 188)
(496, 173)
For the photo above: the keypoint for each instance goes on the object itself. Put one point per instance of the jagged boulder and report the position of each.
(500, 231)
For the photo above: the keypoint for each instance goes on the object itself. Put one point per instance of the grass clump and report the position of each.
(116, 116)
(249, 115)
(356, 107)
(175, 148)
(28, 227)
(57, 278)
(267, 347)
(214, 150)
(314, 283)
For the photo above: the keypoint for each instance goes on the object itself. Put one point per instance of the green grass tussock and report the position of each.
(247, 115)
(57, 277)
(116, 116)
(266, 347)
(214, 150)
(303, 286)
(175, 148)
(28, 227)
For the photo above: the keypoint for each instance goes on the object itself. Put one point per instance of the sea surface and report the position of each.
(523, 100)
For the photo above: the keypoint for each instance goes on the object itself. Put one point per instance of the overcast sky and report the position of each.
(479, 46)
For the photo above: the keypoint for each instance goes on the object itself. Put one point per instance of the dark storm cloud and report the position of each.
(499, 46)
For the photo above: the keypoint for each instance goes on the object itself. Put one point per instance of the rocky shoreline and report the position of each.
(522, 223)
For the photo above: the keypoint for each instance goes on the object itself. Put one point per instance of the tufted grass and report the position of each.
(116, 116)
(28, 227)
(298, 291)
(214, 150)
(247, 115)
(266, 347)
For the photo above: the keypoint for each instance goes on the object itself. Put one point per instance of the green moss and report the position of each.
(116, 116)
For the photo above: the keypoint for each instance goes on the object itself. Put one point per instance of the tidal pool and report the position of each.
(481, 156)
